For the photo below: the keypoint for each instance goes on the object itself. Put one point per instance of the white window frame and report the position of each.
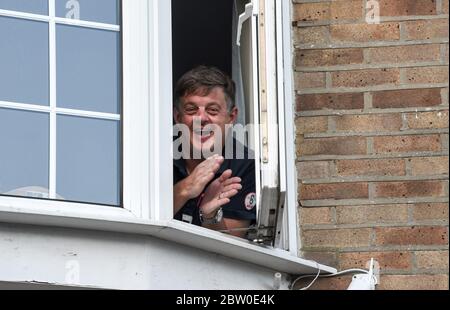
(136, 119)
(147, 152)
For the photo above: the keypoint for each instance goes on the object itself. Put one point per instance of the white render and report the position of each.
(44, 255)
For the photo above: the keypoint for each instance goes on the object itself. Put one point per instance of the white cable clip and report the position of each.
(242, 18)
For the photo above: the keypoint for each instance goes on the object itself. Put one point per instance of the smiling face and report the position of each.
(201, 113)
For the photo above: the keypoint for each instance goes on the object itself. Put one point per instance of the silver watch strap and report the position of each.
(214, 220)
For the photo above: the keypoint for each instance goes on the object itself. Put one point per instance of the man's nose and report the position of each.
(203, 116)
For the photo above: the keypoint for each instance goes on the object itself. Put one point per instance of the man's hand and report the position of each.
(193, 185)
(219, 192)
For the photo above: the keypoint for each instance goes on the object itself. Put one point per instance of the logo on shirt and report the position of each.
(250, 201)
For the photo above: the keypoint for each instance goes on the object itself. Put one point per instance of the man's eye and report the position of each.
(213, 111)
(190, 111)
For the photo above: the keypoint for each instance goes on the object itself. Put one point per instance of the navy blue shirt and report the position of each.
(242, 206)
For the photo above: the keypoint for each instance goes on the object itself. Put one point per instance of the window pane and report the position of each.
(88, 69)
(100, 11)
(88, 160)
(24, 73)
(29, 6)
(24, 155)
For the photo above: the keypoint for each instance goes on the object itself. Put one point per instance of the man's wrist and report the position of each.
(216, 218)
(184, 189)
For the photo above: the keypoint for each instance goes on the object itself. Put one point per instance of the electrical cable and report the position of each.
(318, 275)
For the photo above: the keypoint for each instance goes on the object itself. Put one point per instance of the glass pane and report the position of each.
(28, 6)
(88, 69)
(24, 73)
(100, 11)
(24, 156)
(88, 160)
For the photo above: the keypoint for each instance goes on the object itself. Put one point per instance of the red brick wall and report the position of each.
(372, 138)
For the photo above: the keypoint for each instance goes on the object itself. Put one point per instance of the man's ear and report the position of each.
(233, 115)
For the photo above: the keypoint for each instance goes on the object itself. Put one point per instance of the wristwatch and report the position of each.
(214, 220)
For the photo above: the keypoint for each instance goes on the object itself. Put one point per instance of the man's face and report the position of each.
(205, 111)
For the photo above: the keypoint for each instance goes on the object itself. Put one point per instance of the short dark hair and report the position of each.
(201, 81)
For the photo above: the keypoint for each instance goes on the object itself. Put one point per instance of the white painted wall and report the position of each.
(46, 255)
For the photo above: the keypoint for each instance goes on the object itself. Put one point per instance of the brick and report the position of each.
(315, 216)
(336, 238)
(338, 283)
(432, 259)
(299, 141)
(348, 101)
(365, 32)
(402, 144)
(371, 167)
(430, 211)
(333, 146)
(427, 75)
(346, 10)
(304, 80)
(307, 12)
(425, 235)
(409, 98)
(404, 54)
(328, 57)
(311, 35)
(413, 282)
(311, 124)
(364, 78)
(409, 189)
(445, 7)
(428, 120)
(368, 123)
(426, 30)
(429, 165)
(372, 214)
(334, 191)
(325, 11)
(397, 260)
(313, 170)
(407, 7)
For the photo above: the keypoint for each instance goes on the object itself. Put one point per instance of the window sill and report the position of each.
(120, 220)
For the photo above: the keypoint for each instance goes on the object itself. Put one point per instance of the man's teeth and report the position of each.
(204, 132)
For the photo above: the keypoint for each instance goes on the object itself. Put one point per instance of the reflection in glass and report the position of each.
(24, 66)
(88, 160)
(24, 155)
(28, 6)
(100, 11)
(88, 69)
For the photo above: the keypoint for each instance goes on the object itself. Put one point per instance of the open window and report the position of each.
(244, 38)
(265, 36)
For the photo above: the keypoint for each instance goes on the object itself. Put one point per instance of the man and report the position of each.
(212, 192)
